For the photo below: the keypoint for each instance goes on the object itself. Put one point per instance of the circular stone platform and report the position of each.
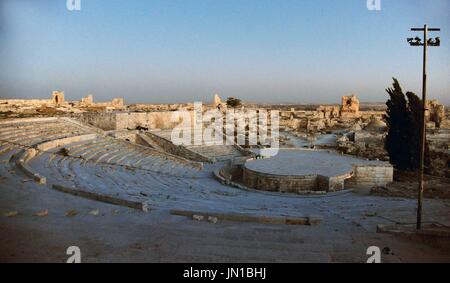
(294, 170)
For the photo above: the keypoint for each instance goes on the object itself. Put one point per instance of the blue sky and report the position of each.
(311, 51)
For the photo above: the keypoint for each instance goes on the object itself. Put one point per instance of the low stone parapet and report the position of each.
(103, 198)
(238, 217)
(21, 160)
(276, 183)
(26, 155)
(295, 171)
(60, 142)
(365, 175)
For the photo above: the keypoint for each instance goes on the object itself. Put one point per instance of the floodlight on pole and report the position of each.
(417, 41)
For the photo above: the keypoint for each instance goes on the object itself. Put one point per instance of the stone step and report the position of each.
(219, 152)
(31, 126)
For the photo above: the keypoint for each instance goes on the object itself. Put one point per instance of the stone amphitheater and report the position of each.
(65, 183)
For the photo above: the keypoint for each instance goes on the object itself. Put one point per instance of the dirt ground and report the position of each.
(405, 185)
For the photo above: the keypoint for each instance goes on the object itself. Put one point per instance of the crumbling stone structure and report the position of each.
(117, 102)
(435, 112)
(87, 101)
(129, 120)
(218, 103)
(329, 112)
(217, 100)
(290, 172)
(349, 106)
(58, 97)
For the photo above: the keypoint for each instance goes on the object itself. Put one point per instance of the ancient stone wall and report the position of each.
(58, 97)
(104, 120)
(362, 176)
(370, 175)
(435, 112)
(119, 121)
(328, 112)
(87, 101)
(159, 107)
(60, 142)
(149, 120)
(349, 106)
(275, 183)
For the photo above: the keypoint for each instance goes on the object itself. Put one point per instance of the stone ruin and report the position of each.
(217, 100)
(356, 132)
(64, 159)
(325, 116)
(57, 104)
(435, 113)
(58, 97)
(296, 171)
(218, 103)
(350, 106)
(117, 103)
(362, 132)
(329, 112)
(87, 101)
(127, 158)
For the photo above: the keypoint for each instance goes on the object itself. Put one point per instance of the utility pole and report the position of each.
(426, 42)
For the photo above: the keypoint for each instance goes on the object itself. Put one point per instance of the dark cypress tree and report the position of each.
(415, 107)
(403, 118)
(396, 121)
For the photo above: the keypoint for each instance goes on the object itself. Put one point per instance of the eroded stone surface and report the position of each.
(307, 162)
(112, 166)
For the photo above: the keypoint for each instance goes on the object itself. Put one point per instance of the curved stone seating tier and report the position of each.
(29, 141)
(38, 131)
(110, 150)
(81, 148)
(8, 149)
(10, 125)
(159, 190)
(29, 126)
(15, 135)
(135, 173)
(21, 133)
(18, 128)
(38, 138)
(20, 139)
(91, 147)
(107, 166)
(106, 150)
(27, 121)
(32, 140)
